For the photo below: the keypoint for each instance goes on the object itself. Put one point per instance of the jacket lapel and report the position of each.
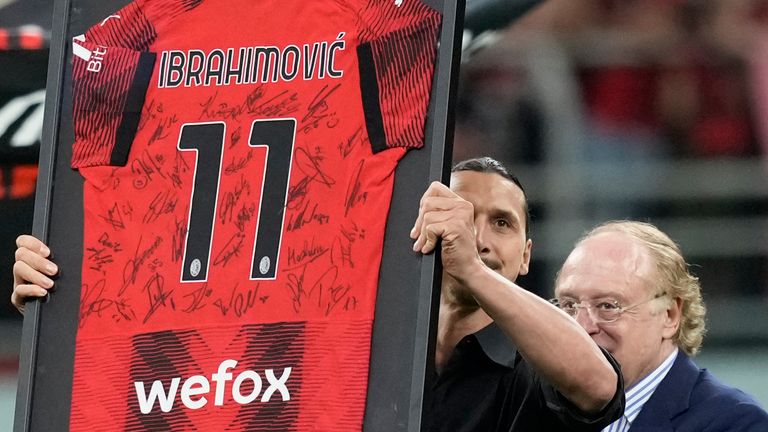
(671, 397)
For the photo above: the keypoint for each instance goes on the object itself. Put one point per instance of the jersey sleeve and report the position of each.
(396, 59)
(108, 97)
(111, 72)
(112, 67)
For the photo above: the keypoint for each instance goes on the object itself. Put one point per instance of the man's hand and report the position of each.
(445, 215)
(31, 271)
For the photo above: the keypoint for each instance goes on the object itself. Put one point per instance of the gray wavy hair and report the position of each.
(674, 278)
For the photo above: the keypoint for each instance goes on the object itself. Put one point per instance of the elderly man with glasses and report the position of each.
(627, 284)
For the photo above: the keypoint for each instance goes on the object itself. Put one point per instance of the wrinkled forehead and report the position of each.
(607, 264)
(482, 187)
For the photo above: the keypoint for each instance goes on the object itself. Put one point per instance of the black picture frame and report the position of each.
(406, 312)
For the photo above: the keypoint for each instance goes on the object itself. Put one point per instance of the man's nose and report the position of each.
(480, 238)
(585, 320)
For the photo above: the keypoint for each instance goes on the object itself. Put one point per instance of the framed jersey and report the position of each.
(228, 186)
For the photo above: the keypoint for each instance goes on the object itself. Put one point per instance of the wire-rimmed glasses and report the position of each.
(602, 310)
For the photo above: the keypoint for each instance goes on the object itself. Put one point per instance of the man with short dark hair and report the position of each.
(500, 348)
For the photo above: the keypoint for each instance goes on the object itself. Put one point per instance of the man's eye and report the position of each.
(502, 223)
(567, 304)
(606, 306)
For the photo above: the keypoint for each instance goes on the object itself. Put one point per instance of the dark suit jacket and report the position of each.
(690, 399)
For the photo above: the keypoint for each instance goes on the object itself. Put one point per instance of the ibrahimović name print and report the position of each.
(249, 65)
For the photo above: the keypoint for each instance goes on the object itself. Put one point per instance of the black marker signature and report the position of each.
(231, 199)
(221, 110)
(180, 167)
(105, 241)
(297, 193)
(144, 167)
(317, 111)
(178, 239)
(236, 165)
(341, 249)
(161, 130)
(341, 253)
(147, 114)
(244, 216)
(346, 146)
(154, 265)
(157, 296)
(198, 297)
(133, 266)
(239, 302)
(305, 216)
(230, 250)
(101, 255)
(350, 304)
(254, 96)
(114, 218)
(92, 302)
(308, 253)
(163, 203)
(309, 166)
(127, 210)
(153, 111)
(282, 104)
(235, 136)
(325, 294)
(98, 257)
(354, 194)
(353, 233)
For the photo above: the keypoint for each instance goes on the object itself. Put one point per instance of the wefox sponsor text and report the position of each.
(195, 389)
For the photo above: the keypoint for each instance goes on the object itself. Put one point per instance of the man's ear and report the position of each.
(526, 257)
(674, 314)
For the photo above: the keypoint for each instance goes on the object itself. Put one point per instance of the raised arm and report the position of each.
(553, 343)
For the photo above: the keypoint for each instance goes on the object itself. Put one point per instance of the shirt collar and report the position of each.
(496, 345)
(638, 394)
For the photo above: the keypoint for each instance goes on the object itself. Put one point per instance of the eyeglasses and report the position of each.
(601, 310)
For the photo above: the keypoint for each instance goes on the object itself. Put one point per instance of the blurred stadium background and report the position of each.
(645, 109)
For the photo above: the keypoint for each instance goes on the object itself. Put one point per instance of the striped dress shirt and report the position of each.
(639, 394)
